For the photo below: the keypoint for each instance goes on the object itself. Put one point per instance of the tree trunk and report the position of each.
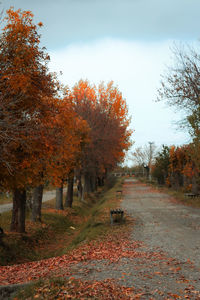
(79, 188)
(194, 185)
(19, 211)
(59, 198)
(70, 189)
(100, 181)
(37, 203)
(93, 185)
(87, 185)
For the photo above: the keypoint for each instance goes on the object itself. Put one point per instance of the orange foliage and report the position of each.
(106, 113)
(70, 135)
(182, 164)
(26, 100)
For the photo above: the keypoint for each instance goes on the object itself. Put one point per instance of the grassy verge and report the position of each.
(37, 290)
(60, 288)
(98, 222)
(181, 198)
(60, 231)
(178, 195)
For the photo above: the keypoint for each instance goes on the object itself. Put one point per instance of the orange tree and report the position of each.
(106, 113)
(70, 134)
(177, 167)
(26, 88)
(116, 132)
(183, 171)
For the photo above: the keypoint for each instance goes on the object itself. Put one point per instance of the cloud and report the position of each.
(67, 21)
(135, 67)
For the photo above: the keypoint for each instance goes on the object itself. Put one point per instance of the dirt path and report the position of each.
(167, 263)
(49, 195)
(174, 228)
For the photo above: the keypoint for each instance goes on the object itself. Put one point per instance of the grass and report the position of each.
(27, 292)
(54, 288)
(60, 231)
(41, 240)
(36, 289)
(98, 222)
(178, 195)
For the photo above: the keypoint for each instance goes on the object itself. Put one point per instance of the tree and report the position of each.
(37, 203)
(105, 111)
(161, 165)
(70, 134)
(26, 90)
(180, 87)
(144, 157)
(182, 171)
(116, 118)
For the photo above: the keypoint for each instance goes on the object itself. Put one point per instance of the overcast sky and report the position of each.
(127, 41)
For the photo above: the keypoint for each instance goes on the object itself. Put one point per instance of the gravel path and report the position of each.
(174, 228)
(168, 262)
(49, 195)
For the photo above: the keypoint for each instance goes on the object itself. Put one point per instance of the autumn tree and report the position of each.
(70, 134)
(25, 90)
(84, 99)
(182, 171)
(180, 87)
(48, 148)
(106, 113)
(118, 138)
(175, 166)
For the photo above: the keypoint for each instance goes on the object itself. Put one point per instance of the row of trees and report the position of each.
(180, 87)
(175, 167)
(48, 133)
